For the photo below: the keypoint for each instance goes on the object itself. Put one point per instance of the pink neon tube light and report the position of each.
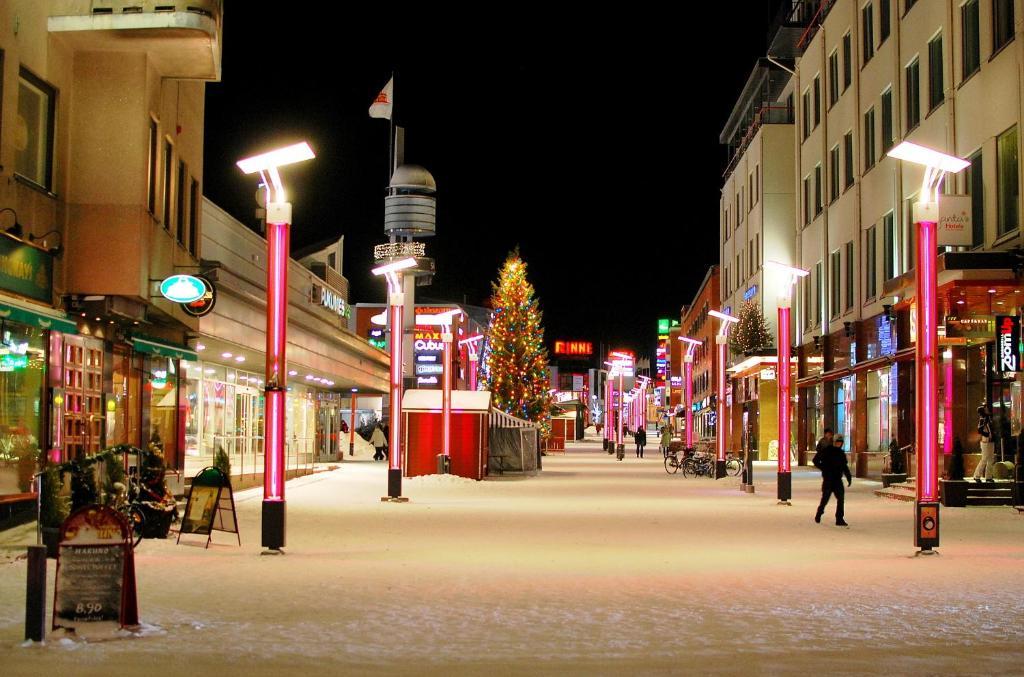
(446, 390)
(275, 388)
(622, 410)
(688, 392)
(926, 354)
(784, 388)
(395, 460)
(720, 404)
(947, 424)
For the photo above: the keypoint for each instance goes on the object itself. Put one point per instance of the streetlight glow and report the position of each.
(276, 158)
(933, 159)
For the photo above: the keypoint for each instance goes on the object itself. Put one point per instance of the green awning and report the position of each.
(163, 348)
(44, 318)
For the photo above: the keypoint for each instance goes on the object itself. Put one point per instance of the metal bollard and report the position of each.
(35, 594)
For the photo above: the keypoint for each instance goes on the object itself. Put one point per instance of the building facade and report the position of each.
(757, 213)
(869, 75)
(695, 323)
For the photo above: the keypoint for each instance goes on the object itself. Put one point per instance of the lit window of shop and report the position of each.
(162, 384)
(22, 369)
(842, 405)
(881, 412)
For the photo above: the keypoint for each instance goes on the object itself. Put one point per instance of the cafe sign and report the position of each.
(25, 270)
(182, 288)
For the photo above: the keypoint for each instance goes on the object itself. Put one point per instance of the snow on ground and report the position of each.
(595, 566)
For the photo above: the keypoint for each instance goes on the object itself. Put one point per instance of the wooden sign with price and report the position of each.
(95, 588)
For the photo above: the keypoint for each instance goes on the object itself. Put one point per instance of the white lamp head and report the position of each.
(394, 266)
(786, 270)
(693, 342)
(911, 152)
(722, 316)
(276, 158)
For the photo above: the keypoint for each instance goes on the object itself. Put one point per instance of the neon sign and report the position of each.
(1009, 342)
(182, 288)
(574, 348)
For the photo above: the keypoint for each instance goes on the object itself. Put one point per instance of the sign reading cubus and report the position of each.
(25, 270)
(1008, 343)
(955, 228)
(183, 288)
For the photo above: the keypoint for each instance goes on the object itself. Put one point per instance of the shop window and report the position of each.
(813, 415)
(123, 422)
(1007, 181)
(37, 106)
(842, 408)
(881, 410)
(161, 398)
(22, 373)
(83, 396)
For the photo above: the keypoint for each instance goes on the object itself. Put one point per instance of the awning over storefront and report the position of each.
(37, 316)
(163, 348)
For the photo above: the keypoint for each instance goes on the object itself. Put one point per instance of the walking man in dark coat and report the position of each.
(831, 461)
(640, 437)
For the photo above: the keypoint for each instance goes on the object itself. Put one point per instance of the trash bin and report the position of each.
(443, 464)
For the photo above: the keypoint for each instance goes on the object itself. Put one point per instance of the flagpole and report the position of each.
(391, 131)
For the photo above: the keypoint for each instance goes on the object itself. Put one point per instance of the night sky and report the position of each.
(591, 142)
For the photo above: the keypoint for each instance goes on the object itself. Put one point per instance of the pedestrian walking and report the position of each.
(640, 437)
(831, 461)
(825, 442)
(988, 447)
(378, 441)
(666, 440)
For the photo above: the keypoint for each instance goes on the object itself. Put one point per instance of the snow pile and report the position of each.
(438, 481)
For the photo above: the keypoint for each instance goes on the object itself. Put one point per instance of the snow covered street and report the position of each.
(596, 566)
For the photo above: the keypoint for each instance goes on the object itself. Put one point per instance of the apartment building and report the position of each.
(870, 74)
(757, 215)
(695, 323)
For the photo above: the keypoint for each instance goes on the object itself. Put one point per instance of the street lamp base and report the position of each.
(926, 533)
(720, 469)
(785, 487)
(789, 503)
(394, 499)
(273, 525)
(352, 449)
(394, 483)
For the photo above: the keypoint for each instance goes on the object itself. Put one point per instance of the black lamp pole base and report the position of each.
(926, 528)
(273, 524)
(394, 487)
(785, 484)
(719, 469)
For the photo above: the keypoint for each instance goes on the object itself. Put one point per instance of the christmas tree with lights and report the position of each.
(515, 361)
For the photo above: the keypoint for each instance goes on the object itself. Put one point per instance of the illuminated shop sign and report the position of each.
(1008, 342)
(750, 293)
(663, 326)
(330, 299)
(574, 348)
(429, 369)
(677, 381)
(182, 288)
(13, 362)
(377, 339)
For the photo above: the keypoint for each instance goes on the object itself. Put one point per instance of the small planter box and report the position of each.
(953, 493)
(889, 478)
(158, 521)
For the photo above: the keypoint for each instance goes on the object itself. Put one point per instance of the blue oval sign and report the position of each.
(182, 288)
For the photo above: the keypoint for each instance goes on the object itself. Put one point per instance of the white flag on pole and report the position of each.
(381, 106)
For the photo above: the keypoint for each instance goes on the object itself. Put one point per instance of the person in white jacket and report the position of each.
(378, 441)
(987, 446)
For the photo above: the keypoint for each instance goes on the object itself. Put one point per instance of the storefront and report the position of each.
(753, 409)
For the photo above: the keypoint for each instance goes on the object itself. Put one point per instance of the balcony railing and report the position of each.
(766, 115)
(815, 23)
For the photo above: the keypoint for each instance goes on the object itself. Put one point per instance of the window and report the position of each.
(168, 169)
(819, 281)
(807, 200)
(870, 269)
(750, 257)
(750, 191)
(757, 249)
(970, 38)
(1002, 23)
(887, 135)
(37, 106)
(193, 220)
(817, 190)
(883, 20)
(739, 207)
(807, 113)
(908, 4)
(757, 183)
(867, 31)
(910, 230)
(848, 149)
(180, 205)
(1007, 181)
(808, 315)
(151, 177)
(817, 100)
(833, 78)
(847, 61)
(913, 73)
(889, 243)
(935, 93)
(869, 139)
(975, 188)
(836, 287)
(833, 173)
(849, 275)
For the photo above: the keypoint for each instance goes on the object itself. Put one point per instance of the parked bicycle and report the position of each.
(733, 464)
(129, 505)
(698, 464)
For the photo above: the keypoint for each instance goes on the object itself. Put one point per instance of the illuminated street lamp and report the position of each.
(926, 216)
(691, 345)
(279, 218)
(396, 299)
(444, 320)
(788, 276)
(721, 341)
(470, 344)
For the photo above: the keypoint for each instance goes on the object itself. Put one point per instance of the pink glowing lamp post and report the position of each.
(788, 276)
(279, 218)
(721, 342)
(396, 300)
(926, 216)
(444, 320)
(470, 344)
(691, 345)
